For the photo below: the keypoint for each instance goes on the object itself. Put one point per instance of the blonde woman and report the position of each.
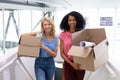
(44, 65)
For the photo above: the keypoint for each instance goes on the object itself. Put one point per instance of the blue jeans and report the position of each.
(44, 68)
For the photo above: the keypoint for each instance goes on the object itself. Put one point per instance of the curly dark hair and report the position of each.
(80, 22)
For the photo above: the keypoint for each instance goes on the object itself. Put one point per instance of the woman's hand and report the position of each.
(76, 66)
(40, 44)
(50, 52)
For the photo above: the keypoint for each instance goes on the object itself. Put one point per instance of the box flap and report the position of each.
(101, 49)
(79, 51)
(91, 35)
(96, 35)
(78, 36)
(101, 54)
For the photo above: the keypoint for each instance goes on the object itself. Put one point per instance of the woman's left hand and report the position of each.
(41, 45)
(76, 66)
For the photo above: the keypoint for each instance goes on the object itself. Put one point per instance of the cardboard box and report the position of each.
(90, 58)
(28, 46)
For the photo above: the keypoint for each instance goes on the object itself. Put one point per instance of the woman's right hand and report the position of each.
(76, 66)
(40, 44)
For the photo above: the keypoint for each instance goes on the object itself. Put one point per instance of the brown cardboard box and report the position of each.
(28, 46)
(90, 58)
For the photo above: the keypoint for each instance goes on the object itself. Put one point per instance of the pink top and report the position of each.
(67, 40)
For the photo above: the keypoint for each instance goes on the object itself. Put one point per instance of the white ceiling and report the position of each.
(34, 4)
(64, 4)
(95, 3)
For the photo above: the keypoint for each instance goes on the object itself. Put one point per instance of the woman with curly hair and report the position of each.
(72, 22)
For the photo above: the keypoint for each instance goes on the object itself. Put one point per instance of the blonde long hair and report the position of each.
(52, 33)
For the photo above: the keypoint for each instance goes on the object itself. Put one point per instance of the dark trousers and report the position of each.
(71, 74)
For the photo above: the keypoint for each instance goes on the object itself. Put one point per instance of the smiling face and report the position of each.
(47, 26)
(72, 22)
